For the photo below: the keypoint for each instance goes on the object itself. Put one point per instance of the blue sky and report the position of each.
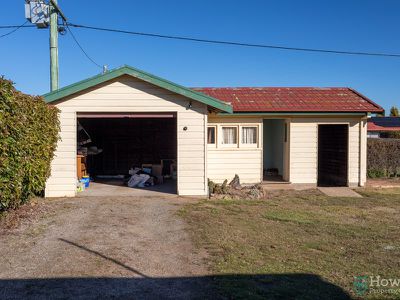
(356, 25)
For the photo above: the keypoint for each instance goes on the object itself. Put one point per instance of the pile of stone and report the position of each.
(234, 190)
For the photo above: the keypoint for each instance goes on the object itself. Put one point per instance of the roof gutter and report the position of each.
(295, 113)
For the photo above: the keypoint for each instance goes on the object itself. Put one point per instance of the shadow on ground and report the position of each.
(142, 286)
(282, 286)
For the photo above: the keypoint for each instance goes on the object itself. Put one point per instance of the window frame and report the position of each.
(213, 145)
(233, 145)
(254, 145)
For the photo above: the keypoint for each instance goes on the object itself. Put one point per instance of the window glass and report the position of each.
(249, 135)
(211, 135)
(229, 135)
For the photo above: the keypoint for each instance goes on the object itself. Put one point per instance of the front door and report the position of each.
(333, 155)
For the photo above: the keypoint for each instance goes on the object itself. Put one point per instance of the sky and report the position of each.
(352, 25)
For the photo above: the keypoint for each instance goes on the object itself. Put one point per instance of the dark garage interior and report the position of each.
(113, 144)
(333, 155)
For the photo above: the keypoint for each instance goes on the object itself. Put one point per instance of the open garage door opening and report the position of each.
(333, 155)
(126, 153)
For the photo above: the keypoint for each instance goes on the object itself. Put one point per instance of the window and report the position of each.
(249, 135)
(229, 135)
(211, 135)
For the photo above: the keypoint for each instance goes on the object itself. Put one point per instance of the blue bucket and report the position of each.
(86, 181)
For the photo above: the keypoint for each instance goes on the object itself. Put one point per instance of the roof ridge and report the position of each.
(273, 87)
(145, 76)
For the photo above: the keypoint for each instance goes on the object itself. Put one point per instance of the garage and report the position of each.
(131, 119)
(134, 119)
(111, 146)
(333, 155)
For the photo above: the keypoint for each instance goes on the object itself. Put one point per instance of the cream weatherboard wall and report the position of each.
(129, 94)
(304, 149)
(301, 152)
(223, 161)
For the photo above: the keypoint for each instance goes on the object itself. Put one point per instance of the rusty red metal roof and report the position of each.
(383, 124)
(292, 99)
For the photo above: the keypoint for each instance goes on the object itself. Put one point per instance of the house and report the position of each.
(301, 135)
(379, 126)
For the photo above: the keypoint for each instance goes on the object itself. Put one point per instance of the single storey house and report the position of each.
(298, 135)
(380, 126)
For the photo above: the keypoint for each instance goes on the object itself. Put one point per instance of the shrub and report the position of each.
(383, 158)
(391, 135)
(29, 131)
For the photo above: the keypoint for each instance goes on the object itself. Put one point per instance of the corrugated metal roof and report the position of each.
(292, 99)
(384, 124)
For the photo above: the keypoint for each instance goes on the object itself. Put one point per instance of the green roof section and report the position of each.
(128, 70)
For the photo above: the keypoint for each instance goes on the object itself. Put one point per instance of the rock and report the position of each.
(235, 183)
(389, 247)
(211, 186)
(224, 187)
(256, 191)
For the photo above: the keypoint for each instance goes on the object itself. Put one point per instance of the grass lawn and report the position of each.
(299, 245)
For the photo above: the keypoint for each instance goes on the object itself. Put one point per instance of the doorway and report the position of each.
(333, 155)
(275, 137)
(115, 147)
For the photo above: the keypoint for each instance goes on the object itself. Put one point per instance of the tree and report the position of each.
(394, 112)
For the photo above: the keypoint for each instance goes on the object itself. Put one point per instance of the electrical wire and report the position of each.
(185, 38)
(80, 47)
(16, 27)
(231, 43)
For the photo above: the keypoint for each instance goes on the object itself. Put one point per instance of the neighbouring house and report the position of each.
(297, 135)
(380, 126)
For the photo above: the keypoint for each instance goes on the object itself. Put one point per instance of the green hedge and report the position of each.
(383, 157)
(29, 131)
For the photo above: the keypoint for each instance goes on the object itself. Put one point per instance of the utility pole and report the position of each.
(45, 15)
(54, 82)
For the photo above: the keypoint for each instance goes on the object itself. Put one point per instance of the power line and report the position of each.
(221, 42)
(231, 43)
(16, 27)
(80, 47)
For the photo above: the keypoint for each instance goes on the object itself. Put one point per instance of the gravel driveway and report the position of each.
(103, 247)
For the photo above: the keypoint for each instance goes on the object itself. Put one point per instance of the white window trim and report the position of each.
(239, 145)
(214, 145)
(252, 146)
(229, 146)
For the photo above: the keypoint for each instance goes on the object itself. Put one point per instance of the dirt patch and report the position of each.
(105, 247)
(24, 215)
(383, 182)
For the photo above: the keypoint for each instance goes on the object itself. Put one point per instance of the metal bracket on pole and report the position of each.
(57, 8)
